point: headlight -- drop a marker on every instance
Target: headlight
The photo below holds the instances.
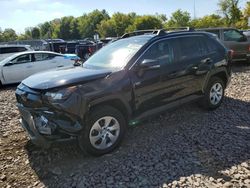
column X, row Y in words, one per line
column 60, row 95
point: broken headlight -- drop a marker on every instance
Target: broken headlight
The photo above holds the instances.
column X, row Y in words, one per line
column 59, row 95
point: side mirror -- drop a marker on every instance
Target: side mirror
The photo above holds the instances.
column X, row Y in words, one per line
column 9, row 64
column 147, row 64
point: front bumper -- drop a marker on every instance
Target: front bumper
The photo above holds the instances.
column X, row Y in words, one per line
column 42, row 131
column 45, row 123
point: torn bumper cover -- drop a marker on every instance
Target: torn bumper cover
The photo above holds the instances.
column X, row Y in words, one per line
column 45, row 125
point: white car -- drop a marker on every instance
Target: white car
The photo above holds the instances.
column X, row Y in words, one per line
column 17, row 67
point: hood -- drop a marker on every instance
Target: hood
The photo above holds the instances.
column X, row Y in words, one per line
column 61, row 77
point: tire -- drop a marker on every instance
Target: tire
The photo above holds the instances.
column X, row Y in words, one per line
column 96, row 137
column 214, row 94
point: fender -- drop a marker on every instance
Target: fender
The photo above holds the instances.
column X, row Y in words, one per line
column 213, row 72
column 109, row 98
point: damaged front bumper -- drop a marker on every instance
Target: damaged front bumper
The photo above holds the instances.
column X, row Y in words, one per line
column 45, row 125
column 43, row 131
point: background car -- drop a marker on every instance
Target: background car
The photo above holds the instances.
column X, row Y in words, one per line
column 21, row 65
column 234, row 40
column 8, row 50
column 247, row 33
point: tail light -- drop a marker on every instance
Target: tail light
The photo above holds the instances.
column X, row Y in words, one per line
column 249, row 48
column 231, row 53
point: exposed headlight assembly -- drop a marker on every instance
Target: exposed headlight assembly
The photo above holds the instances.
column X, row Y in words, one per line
column 59, row 95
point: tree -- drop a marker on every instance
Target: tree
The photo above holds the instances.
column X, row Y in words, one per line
column 88, row 22
column 107, row 28
column 230, row 10
column 116, row 25
column 179, row 19
column 74, row 32
column 63, row 30
column 208, row 21
column 1, row 35
column 246, row 11
column 27, row 33
column 35, row 33
column 9, row 35
column 45, row 30
column 162, row 17
column 145, row 22
column 243, row 22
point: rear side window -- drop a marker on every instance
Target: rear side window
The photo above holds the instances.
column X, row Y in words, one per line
column 44, row 56
column 6, row 50
column 189, row 48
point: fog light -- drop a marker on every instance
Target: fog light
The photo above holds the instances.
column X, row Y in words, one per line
column 43, row 126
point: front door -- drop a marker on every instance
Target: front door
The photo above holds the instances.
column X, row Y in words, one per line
column 147, row 84
column 18, row 69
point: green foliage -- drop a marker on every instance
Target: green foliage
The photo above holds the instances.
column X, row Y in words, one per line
column 64, row 28
column 88, row 22
column 35, row 33
column 99, row 21
column 231, row 11
column 45, row 30
column 179, row 19
column 9, row 35
column 116, row 25
column 145, row 22
column 208, row 21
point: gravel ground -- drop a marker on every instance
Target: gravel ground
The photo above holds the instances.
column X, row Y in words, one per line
column 186, row 147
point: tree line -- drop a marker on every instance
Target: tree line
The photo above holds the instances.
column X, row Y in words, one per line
column 99, row 21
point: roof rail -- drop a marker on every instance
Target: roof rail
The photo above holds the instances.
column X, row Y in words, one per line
column 177, row 29
column 143, row 32
column 157, row 31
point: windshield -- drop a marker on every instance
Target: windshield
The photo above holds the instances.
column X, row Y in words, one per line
column 117, row 54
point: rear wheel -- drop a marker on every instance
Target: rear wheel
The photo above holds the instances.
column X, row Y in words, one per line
column 103, row 132
column 214, row 93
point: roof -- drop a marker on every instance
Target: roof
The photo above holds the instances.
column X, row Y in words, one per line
column 214, row 28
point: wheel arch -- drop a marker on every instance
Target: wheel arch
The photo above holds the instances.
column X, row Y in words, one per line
column 220, row 73
column 116, row 103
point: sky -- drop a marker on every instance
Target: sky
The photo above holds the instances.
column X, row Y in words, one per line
column 19, row 14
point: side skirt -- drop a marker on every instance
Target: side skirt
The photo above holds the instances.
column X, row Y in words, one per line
column 166, row 107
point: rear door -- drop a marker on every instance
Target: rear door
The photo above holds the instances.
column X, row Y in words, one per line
column 46, row 61
column 18, row 69
column 182, row 77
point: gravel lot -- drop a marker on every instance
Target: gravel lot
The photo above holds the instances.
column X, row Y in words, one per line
column 186, row 147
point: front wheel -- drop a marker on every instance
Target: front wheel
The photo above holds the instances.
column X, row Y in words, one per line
column 104, row 131
column 214, row 94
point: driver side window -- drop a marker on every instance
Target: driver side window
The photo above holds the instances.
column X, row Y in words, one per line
column 160, row 51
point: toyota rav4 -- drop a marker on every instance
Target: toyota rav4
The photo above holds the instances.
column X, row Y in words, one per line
column 141, row 74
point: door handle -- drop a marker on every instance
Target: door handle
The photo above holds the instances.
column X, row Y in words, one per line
column 29, row 66
column 207, row 61
column 60, row 66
